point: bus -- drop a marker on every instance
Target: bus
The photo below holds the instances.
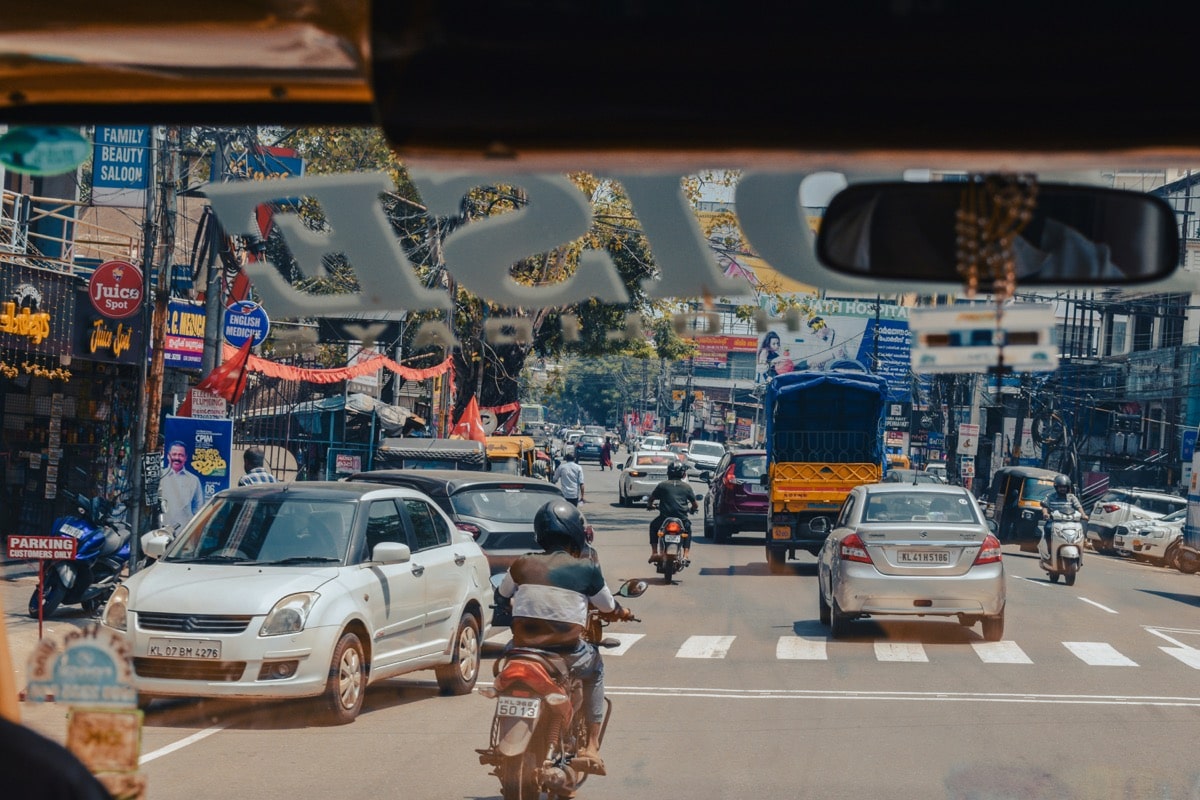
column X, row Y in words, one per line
column 531, row 414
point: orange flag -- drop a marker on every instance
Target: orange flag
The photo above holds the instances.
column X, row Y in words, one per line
column 470, row 424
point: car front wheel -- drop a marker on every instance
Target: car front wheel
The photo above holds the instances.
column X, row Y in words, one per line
column 347, row 680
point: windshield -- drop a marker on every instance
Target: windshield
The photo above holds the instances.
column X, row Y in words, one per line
column 500, row 505
column 247, row 292
column 275, row 531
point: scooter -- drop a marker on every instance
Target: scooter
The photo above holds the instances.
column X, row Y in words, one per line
column 100, row 557
column 539, row 725
column 672, row 541
column 1061, row 553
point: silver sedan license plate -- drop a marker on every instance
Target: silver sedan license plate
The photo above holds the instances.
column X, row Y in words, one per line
column 202, row 649
column 924, row 557
column 524, row 707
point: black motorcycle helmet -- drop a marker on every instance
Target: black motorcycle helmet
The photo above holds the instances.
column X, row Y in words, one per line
column 1062, row 484
column 675, row 471
column 559, row 525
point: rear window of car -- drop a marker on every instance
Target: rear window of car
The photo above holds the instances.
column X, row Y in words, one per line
column 749, row 468
column 707, row 449
column 646, row 461
column 501, row 505
column 920, row 507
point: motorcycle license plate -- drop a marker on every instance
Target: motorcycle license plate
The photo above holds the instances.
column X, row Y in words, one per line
column 523, row 707
column 672, row 538
column 200, row 649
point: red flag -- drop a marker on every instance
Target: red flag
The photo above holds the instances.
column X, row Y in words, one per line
column 470, row 424
column 227, row 380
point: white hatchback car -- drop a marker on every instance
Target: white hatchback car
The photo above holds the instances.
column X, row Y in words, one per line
column 306, row 589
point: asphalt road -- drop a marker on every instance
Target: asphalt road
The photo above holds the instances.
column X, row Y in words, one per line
column 730, row 688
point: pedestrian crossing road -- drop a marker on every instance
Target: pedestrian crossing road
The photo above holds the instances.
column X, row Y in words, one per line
column 811, row 648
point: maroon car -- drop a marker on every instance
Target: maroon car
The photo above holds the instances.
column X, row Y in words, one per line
column 736, row 499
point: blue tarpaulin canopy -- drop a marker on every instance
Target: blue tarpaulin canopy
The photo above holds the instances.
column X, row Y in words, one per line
column 811, row 414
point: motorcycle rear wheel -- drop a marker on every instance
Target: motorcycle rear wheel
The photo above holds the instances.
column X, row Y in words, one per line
column 51, row 598
column 518, row 775
column 668, row 568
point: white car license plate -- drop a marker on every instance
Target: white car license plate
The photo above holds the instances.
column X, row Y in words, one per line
column 525, row 707
column 924, row 557
column 755, row 488
column 672, row 538
column 203, row 649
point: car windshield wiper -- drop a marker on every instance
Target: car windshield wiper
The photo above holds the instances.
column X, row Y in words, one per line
column 214, row 558
column 302, row 560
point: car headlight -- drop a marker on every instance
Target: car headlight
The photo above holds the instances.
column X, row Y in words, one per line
column 117, row 610
column 289, row 614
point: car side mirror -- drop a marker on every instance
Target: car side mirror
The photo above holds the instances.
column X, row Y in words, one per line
column 819, row 525
column 154, row 543
column 993, row 527
column 391, row 553
column 764, row 479
column 620, row 466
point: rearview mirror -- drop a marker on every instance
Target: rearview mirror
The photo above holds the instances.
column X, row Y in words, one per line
column 1075, row 234
column 632, row 588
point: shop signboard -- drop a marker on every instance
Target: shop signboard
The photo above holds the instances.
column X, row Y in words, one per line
column 246, row 320
column 121, row 165
column 183, row 346
column 115, row 289
column 37, row 311
column 100, row 338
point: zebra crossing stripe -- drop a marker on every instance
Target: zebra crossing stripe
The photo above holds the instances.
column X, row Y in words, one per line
column 799, row 648
column 1187, row 655
column 627, row 640
column 705, row 647
column 1099, row 654
column 1004, row 652
column 900, row 651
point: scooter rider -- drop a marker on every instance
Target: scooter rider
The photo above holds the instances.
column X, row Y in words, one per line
column 550, row 593
column 675, row 498
column 1062, row 500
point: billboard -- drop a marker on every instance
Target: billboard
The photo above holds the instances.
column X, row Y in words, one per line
column 873, row 334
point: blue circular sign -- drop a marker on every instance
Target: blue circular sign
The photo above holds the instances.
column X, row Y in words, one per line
column 246, row 320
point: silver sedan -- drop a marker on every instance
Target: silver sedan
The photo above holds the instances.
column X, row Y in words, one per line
column 641, row 472
column 911, row 550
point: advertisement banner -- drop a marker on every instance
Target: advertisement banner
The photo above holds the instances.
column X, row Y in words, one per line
column 833, row 330
column 715, row 350
column 203, row 462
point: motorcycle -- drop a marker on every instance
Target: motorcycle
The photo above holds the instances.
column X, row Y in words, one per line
column 539, row 724
column 1061, row 553
column 672, row 540
column 100, row 557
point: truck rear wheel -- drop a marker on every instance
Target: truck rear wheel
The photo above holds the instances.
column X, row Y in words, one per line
column 776, row 561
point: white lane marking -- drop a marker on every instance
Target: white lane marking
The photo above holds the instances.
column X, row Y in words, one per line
column 1004, row 652
column 900, row 651
column 1033, row 581
column 801, row 648
column 928, row 697
column 1097, row 605
column 1162, row 632
column 182, row 743
column 1187, row 655
column 1099, row 654
column 627, row 640
column 705, row 647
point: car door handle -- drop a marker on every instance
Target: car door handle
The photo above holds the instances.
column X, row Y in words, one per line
column 418, row 570
column 459, row 560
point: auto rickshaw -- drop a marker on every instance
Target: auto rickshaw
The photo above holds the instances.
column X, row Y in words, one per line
column 514, row 454
column 1016, row 497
